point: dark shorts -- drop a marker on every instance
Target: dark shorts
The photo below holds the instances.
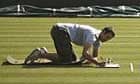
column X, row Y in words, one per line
column 63, row 45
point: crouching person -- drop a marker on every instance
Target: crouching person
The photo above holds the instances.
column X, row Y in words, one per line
column 63, row 34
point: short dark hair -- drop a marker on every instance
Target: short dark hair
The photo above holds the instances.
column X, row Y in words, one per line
column 108, row 30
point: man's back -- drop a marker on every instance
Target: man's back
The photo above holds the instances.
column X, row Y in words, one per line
column 80, row 34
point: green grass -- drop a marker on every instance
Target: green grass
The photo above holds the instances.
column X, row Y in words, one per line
column 18, row 36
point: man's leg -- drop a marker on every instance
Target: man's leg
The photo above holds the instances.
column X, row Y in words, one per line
column 40, row 53
column 46, row 55
column 63, row 45
column 34, row 55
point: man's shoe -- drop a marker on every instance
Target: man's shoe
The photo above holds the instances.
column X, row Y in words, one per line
column 33, row 56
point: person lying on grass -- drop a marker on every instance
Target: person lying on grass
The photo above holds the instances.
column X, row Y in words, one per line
column 83, row 35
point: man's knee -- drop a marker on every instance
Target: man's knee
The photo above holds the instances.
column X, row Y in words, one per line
column 67, row 56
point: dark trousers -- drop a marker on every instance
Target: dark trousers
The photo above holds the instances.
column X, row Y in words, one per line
column 63, row 45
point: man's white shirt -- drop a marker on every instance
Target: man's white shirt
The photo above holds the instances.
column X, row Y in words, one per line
column 81, row 34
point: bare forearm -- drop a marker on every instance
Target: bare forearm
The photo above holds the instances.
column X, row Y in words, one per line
column 87, row 54
column 89, row 57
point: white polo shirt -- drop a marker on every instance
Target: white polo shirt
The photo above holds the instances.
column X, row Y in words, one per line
column 81, row 34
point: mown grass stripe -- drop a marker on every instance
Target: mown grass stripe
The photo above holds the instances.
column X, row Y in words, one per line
column 19, row 36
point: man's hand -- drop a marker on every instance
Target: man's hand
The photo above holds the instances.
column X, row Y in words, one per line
column 101, row 64
column 87, row 62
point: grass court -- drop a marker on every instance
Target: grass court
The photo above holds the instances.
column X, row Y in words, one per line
column 19, row 36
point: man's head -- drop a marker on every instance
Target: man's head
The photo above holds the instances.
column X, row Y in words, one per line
column 106, row 34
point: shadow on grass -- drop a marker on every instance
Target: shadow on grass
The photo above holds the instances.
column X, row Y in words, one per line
column 48, row 65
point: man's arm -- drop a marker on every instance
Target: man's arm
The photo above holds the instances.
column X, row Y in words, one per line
column 86, row 53
column 95, row 52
